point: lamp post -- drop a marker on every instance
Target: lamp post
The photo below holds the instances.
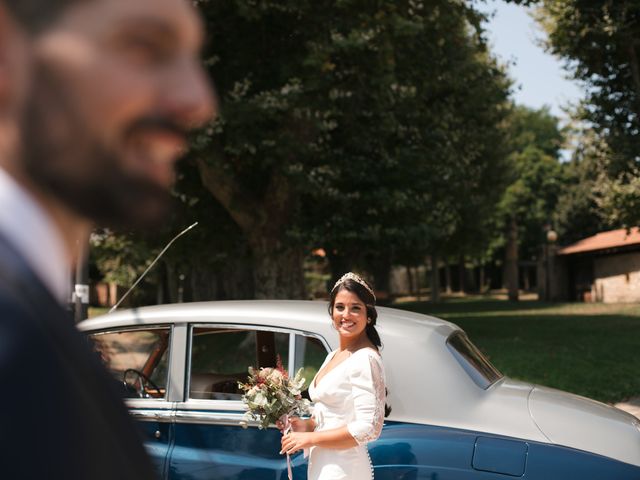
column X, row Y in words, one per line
column 80, row 295
column 551, row 237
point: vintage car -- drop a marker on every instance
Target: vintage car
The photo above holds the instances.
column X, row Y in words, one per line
column 454, row 416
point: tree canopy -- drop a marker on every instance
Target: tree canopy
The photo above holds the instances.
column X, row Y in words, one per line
column 598, row 40
column 363, row 128
column 377, row 131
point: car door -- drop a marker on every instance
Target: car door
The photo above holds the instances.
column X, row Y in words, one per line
column 138, row 359
column 209, row 440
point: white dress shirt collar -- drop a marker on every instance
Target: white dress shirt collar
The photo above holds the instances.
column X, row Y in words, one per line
column 33, row 234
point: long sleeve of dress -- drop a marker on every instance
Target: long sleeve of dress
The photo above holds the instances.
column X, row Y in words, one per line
column 368, row 392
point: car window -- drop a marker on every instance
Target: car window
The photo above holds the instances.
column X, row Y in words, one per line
column 137, row 359
column 310, row 353
column 221, row 357
column 481, row 371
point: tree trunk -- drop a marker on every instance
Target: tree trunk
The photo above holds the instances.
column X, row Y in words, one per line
column 435, row 279
column 160, row 284
column 172, row 283
column 511, row 261
column 410, row 280
column 278, row 270
column 462, row 273
column 159, row 294
column 447, row 277
column 339, row 264
column 278, row 267
column 204, row 284
column 381, row 267
column 482, row 279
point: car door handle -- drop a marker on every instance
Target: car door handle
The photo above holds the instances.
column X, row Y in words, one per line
column 214, row 418
column 143, row 415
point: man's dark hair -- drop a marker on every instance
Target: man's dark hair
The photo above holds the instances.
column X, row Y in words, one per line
column 36, row 15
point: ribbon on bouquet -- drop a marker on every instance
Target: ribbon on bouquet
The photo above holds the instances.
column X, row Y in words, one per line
column 284, row 419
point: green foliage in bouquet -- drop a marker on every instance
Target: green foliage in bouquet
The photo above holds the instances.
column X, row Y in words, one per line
column 269, row 394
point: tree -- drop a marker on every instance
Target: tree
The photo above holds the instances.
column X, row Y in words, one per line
column 370, row 130
column 440, row 155
column 580, row 211
column 347, row 113
column 537, row 181
column 599, row 41
column 283, row 104
column 210, row 262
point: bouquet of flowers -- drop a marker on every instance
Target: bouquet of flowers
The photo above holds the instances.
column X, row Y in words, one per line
column 271, row 396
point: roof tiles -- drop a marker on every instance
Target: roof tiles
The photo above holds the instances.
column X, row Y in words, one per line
column 604, row 240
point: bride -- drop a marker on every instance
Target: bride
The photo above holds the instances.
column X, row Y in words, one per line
column 348, row 391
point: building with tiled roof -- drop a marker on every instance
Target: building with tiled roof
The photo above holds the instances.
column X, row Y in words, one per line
column 604, row 267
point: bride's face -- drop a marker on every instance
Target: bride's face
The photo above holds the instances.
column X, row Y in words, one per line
column 349, row 314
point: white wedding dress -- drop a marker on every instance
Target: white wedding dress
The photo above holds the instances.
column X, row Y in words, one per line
column 351, row 394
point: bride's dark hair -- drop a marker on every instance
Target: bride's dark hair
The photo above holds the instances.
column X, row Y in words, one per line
column 368, row 299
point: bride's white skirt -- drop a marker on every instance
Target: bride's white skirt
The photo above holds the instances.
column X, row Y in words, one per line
column 333, row 464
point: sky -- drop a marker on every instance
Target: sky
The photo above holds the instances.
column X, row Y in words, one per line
column 539, row 77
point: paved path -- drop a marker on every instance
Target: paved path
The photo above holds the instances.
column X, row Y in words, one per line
column 632, row 406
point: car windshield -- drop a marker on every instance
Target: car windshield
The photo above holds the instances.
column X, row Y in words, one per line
column 472, row 360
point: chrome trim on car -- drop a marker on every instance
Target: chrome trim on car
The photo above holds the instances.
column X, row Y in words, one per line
column 249, row 326
column 233, row 406
column 234, row 419
column 292, row 354
column 162, row 416
column 177, row 362
column 128, row 328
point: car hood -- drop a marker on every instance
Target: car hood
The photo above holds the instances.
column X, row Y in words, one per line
column 578, row 422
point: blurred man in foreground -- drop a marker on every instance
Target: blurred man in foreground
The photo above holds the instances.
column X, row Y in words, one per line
column 96, row 97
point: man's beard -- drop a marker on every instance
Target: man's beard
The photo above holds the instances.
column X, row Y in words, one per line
column 62, row 156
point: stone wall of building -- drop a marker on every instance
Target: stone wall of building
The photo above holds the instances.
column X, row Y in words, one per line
column 617, row 278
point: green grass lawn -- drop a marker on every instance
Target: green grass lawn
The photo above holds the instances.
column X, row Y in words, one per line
column 95, row 311
column 589, row 349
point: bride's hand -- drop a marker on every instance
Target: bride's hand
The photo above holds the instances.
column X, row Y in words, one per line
column 280, row 424
column 297, row 424
column 302, row 424
column 294, row 441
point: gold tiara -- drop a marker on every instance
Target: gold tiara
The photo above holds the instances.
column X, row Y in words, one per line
column 356, row 278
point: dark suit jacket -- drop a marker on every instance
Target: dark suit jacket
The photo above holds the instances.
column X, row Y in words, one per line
column 60, row 414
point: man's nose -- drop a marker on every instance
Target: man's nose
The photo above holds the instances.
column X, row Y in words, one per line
column 192, row 99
